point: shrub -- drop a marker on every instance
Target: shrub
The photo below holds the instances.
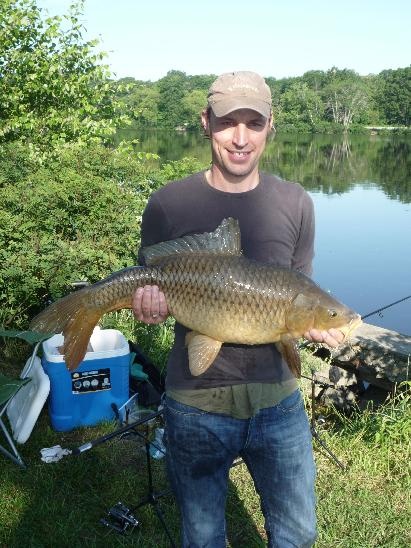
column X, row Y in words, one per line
column 76, row 218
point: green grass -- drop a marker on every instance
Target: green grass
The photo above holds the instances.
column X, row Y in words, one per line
column 60, row 504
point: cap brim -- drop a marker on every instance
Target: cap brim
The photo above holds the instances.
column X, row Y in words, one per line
column 225, row 106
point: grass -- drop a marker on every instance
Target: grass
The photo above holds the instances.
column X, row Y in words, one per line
column 61, row 504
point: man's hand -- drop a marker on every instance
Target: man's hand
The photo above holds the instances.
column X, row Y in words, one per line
column 149, row 305
column 332, row 337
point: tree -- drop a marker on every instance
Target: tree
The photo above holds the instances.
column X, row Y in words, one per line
column 300, row 104
column 53, row 87
column 315, row 79
column 394, row 97
column 346, row 96
column 173, row 88
column 141, row 104
column 193, row 103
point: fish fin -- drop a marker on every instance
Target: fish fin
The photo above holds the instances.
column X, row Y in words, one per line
column 224, row 240
column 202, row 351
column 287, row 346
column 75, row 318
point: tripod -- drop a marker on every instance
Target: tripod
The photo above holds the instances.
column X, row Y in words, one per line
column 120, row 518
column 153, row 497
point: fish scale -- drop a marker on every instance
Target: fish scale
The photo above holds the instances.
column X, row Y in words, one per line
column 217, row 293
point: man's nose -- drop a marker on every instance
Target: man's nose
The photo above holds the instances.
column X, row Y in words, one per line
column 240, row 137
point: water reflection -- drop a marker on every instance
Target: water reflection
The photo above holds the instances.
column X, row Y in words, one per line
column 321, row 163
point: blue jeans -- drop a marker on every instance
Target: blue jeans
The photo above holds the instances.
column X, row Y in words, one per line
column 276, row 446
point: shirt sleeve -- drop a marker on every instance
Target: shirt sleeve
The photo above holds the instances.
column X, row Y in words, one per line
column 154, row 226
column 304, row 249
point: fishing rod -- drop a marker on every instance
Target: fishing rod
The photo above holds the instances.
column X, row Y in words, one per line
column 385, row 307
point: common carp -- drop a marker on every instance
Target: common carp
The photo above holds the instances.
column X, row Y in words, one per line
column 213, row 290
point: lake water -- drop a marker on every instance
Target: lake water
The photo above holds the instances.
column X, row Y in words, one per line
column 361, row 187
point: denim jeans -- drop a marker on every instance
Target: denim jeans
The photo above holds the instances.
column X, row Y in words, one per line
column 276, row 446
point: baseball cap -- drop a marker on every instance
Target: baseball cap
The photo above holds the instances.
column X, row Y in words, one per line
column 235, row 90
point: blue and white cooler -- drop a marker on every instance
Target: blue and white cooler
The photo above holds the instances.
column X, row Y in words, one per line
column 84, row 397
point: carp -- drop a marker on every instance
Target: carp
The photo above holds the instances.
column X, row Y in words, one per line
column 213, row 290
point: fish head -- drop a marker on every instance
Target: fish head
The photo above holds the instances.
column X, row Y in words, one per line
column 331, row 313
column 316, row 309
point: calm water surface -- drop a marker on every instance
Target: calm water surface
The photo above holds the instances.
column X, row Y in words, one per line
column 361, row 187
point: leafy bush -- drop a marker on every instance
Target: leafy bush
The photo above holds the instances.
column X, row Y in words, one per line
column 76, row 218
column 53, row 86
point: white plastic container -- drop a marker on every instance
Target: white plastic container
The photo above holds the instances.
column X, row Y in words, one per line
column 25, row 407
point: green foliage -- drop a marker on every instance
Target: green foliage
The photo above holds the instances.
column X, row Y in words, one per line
column 76, row 218
column 172, row 89
column 394, row 96
column 193, row 103
column 140, row 103
column 319, row 101
column 177, row 169
column 300, row 105
column 53, row 87
column 346, row 96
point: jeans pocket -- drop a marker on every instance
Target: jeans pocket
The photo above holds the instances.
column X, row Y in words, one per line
column 177, row 408
column 291, row 403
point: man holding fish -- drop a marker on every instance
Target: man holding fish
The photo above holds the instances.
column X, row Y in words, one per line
column 242, row 399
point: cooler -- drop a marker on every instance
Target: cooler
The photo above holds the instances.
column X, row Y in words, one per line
column 83, row 397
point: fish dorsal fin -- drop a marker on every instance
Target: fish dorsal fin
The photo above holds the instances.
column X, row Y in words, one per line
column 224, row 240
column 202, row 351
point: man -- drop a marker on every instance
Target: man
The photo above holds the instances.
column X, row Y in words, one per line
column 247, row 403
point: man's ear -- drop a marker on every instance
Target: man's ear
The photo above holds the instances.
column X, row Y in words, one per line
column 205, row 122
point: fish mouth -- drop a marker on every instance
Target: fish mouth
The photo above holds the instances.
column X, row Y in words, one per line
column 351, row 326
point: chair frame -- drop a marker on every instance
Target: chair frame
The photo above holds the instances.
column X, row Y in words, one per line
column 14, row 454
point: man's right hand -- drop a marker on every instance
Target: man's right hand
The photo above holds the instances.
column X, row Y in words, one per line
column 149, row 305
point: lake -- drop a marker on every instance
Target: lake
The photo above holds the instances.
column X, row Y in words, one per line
column 361, row 187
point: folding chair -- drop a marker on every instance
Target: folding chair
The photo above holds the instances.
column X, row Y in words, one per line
column 23, row 399
column 8, row 389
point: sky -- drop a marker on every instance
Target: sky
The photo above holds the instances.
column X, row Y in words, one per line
column 145, row 39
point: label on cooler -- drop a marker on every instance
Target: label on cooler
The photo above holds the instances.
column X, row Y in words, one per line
column 90, row 381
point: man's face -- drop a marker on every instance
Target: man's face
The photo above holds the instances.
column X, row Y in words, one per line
column 237, row 141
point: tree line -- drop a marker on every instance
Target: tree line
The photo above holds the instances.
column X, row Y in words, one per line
column 332, row 100
column 55, row 88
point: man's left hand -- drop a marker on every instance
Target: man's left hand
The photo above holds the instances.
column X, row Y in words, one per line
column 332, row 337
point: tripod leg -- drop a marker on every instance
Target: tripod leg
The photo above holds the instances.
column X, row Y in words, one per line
column 163, row 521
column 314, row 432
column 152, row 497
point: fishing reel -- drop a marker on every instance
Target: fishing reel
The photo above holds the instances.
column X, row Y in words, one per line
column 120, row 519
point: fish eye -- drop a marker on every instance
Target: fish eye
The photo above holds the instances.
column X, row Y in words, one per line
column 332, row 313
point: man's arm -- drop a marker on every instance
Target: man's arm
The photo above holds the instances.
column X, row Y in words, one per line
column 149, row 303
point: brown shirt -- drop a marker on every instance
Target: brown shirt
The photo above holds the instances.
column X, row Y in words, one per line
column 277, row 226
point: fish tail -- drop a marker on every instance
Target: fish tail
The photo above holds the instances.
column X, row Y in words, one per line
column 75, row 318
